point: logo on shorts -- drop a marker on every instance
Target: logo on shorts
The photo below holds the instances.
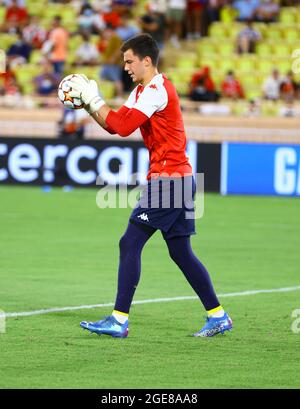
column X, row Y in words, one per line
column 144, row 217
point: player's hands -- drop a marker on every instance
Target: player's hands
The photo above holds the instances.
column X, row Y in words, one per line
column 87, row 91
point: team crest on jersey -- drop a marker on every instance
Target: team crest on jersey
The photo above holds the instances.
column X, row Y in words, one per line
column 153, row 86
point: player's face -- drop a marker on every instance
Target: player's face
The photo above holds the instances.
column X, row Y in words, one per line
column 134, row 66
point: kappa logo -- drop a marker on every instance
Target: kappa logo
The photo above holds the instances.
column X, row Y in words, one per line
column 153, row 86
column 144, row 217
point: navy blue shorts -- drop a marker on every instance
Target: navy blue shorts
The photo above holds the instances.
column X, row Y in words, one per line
column 167, row 204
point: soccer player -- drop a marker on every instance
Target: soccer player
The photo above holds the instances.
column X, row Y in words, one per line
column 153, row 106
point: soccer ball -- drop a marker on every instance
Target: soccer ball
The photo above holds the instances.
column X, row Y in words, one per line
column 63, row 94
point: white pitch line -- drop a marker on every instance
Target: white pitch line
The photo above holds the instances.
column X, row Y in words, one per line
column 150, row 301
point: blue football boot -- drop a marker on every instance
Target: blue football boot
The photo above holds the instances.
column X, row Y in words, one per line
column 215, row 326
column 109, row 326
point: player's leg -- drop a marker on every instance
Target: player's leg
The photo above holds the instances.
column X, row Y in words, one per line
column 198, row 277
column 131, row 245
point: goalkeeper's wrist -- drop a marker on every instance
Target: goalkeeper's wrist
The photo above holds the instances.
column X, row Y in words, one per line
column 94, row 105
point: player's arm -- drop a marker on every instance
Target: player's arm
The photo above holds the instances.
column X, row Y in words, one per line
column 128, row 118
column 101, row 119
column 124, row 122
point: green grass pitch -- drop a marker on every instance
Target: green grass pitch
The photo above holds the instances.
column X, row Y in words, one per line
column 58, row 249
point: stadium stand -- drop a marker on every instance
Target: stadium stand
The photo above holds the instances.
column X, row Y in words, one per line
column 216, row 49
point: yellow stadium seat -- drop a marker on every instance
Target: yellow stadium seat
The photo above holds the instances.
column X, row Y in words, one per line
column 269, row 108
column 35, row 57
column 186, row 74
column 181, row 87
column 281, row 49
column 186, row 61
column 52, row 10
column 217, row 77
column 250, row 81
column 172, row 74
column 25, row 75
column 284, row 65
column 228, row 14
column 273, row 32
column 227, row 64
column 287, row 15
column 95, row 39
column 291, row 33
column 264, row 48
column 36, row 8
column 217, row 30
column 265, row 66
column 211, row 62
column 6, row 40
column 261, row 28
column 107, row 89
column 74, row 43
column 2, row 14
column 71, row 57
column 246, row 63
column 90, row 72
column 253, row 93
column 226, row 49
column 206, row 48
column 234, row 29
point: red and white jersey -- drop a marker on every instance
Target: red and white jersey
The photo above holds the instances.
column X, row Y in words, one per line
column 155, row 109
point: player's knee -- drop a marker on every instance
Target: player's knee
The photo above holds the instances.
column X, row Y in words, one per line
column 175, row 255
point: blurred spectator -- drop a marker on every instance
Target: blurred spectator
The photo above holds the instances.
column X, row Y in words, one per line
column 289, row 89
column 8, row 82
column 47, row 82
column 267, row 12
column 253, row 109
column 271, row 86
column 57, row 45
column 16, row 17
column 231, row 87
column 194, row 17
column 72, row 124
column 127, row 29
column 89, row 20
column 111, row 57
column 19, row 52
column 87, row 53
column 154, row 23
column 112, row 17
column 123, row 6
column 247, row 38
column 211, row 13
column 101, row 6
column 33, row 33
column 289, row 110
column 8, row 3
column 246, row 9
column 202, row 87
column 176, row 17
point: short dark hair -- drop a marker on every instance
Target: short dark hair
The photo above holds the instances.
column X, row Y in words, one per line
column 142, row 45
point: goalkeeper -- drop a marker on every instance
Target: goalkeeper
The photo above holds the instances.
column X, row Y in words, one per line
column 153, row 106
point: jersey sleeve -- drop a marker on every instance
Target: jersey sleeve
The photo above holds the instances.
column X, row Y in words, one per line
column 121, row 112
column 126, row 124
column 153, row 98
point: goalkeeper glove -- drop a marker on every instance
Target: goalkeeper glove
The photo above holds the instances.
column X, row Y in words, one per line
column 87, row 91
